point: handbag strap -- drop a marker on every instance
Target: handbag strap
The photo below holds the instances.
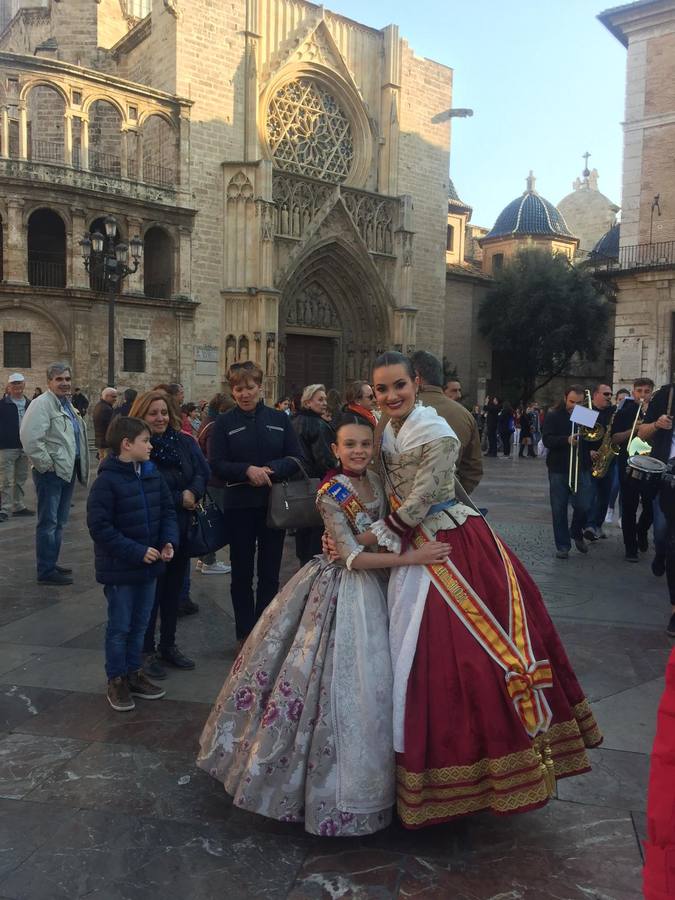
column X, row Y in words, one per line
column 305, row 474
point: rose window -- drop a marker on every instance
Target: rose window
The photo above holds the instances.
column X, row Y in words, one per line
column 308, row 132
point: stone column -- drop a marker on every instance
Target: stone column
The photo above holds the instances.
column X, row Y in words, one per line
column 84, row 138
column 183, row 277
column 5, row 132
column 124, row 154
column 134, row 283
column 23, row 130
column 139, row 155
column 68, row 138
column 16, row 264
column 79, row 275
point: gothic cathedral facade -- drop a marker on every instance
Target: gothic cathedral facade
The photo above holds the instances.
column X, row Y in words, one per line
column 286, row 168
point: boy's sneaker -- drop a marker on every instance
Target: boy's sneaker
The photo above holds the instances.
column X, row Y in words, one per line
column 141, row 686
column 216, row 568
column 153, row 667
column 118, row 694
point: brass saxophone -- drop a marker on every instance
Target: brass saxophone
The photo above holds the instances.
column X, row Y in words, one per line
column 606, row 453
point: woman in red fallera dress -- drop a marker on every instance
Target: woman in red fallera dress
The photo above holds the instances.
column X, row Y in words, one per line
column 659, row 871
column 488, row 712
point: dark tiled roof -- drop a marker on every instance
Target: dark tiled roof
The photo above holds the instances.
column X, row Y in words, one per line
column 608, row 245
column 468, row 270
column 530, row 214
column 453, row 198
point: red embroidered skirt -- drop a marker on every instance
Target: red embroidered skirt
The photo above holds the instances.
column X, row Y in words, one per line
column 465, row 747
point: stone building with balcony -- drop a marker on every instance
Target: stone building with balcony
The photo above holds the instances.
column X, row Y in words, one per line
column 642, row 267
column 285, row 167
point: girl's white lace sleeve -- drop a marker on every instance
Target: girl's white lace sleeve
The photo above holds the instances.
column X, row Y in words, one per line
column 386, row 537
column 352, row 556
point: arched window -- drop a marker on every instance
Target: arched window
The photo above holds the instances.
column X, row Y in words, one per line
column 450, row 241
column 46, row 108
column 46, row 249
column 160, row 156
column 96, row 281
column 497, row 262
column 105, row 138
column 157, row 263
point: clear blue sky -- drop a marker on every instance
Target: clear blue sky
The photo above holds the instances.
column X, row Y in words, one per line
column 546, row 82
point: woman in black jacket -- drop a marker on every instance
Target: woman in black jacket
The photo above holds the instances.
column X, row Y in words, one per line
column 251, row 446
column 506, row 427
column 186, row 473
column 316, row 436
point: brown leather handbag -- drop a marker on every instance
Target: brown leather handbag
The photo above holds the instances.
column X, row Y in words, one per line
column 292, row 504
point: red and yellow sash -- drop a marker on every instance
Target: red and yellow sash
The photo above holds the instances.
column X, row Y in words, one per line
column 525, row 677
column 348, row 502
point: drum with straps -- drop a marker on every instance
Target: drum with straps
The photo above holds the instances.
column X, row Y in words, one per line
column 645, row 468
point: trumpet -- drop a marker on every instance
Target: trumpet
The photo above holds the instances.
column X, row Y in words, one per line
column 573, row 474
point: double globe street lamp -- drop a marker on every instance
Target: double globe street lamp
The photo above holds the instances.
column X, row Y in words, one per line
column 108, row 263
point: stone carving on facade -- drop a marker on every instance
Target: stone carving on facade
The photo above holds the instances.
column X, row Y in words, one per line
column 407, row 249
column 373, row 217
column 312, row 308
column 308, row 131
column 271, row 356
column 171, row 6
column 297, row 201
column 267, row 211
column 230, row 350
column 243, row 348
column 239, row 187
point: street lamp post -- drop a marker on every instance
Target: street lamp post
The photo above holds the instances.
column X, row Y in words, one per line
column 109, row 262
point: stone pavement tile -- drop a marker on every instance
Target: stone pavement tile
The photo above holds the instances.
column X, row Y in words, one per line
column 58, row 623
column 119, row 857
column 628, row 720
column 13, row 655
column 23, row 828
column 136, row 780
column 19, row 705
column 168, row 724
column 640, row 825
column 17, row 605
column 63, row 669
column 618, row 780
column 609, row 659
column 27, row 760
column 564, row 851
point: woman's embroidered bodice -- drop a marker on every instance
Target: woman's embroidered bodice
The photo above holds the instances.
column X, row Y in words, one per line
column 417, row 465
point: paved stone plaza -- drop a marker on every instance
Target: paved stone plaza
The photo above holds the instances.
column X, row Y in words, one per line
column 109, row 805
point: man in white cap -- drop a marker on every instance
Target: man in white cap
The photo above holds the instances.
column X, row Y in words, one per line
column 13, row 461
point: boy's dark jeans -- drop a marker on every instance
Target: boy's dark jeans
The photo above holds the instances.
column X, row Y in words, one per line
column 129, row 607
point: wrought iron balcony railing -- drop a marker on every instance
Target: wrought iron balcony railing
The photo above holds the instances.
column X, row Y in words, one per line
column 659, row 255
column 46, row 273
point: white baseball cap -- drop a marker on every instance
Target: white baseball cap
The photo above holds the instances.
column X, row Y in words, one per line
column 14, row 377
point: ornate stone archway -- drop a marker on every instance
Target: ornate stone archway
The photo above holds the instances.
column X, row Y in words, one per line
column 333, row 319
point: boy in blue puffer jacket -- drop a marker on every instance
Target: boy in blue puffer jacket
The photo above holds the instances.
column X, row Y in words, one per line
column 132, row 521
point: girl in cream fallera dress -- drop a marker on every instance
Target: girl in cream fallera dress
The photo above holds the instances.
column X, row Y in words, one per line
column 302, row 728
column 487, row 710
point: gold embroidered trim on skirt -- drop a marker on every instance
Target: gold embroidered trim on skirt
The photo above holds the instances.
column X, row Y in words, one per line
column 502, row 803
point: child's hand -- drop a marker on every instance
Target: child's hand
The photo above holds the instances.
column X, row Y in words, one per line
column 189, row 500
column 432, row 552
column 151, row 555
column 167, row 552
column 329, row 546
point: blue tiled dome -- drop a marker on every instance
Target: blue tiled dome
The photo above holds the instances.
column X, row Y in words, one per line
column 530, row 214
column 608, row 245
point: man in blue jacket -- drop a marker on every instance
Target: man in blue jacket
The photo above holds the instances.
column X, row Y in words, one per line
column 131, row 519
